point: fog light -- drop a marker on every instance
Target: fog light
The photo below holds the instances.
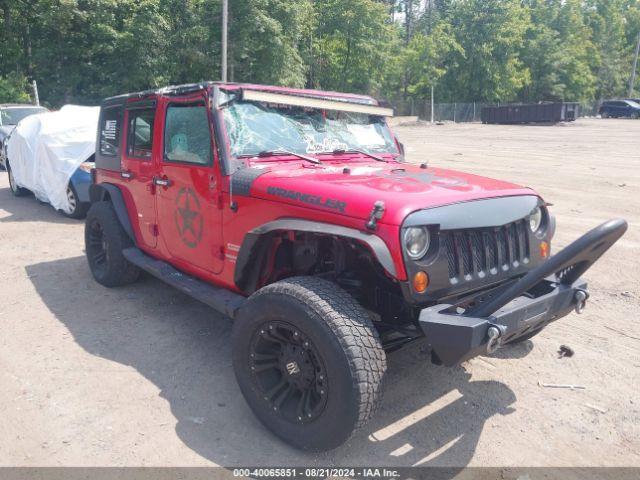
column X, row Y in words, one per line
column 544, row 249
column 420, row 282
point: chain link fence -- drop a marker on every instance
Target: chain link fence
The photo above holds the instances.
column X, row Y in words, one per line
column 464, row 112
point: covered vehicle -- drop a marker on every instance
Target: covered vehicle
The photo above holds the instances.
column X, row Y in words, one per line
column 10, row 116
column 51, row 155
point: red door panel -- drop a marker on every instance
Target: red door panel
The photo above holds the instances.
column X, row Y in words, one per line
column 189, row 218
column 138, row 169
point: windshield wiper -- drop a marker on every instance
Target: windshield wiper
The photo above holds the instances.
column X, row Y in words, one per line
column 271, row 153
column 363, row 152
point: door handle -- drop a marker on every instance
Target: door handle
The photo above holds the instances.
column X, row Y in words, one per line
column 126, row 174
column 162, row 182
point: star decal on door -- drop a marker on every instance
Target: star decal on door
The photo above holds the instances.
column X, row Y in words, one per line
column 188, row 218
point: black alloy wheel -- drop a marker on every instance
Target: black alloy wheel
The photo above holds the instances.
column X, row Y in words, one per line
column 288, row 370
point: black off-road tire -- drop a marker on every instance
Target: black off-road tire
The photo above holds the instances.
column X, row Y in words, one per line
column 80, row 209
column 15, row 189
column 105, row 239
column 343, row 337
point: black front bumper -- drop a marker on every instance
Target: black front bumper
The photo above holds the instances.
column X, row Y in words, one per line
column 548, row 292
column 455, row 338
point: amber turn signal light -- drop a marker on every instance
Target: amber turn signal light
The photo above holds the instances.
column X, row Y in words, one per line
column 420, row 282
column 544, row 249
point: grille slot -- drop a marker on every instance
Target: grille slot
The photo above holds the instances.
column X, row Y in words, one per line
column 476, row 252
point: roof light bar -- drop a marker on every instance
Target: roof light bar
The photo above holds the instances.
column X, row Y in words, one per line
column 313, row 102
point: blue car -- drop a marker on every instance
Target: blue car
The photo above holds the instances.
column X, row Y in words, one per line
column 620, row 109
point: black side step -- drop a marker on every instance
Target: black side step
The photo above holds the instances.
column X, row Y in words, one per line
column 224, row 301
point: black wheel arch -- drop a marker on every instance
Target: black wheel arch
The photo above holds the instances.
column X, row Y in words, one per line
column 112, row 193
column 257, row 242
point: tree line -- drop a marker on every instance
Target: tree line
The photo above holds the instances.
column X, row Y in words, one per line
column 467, row 50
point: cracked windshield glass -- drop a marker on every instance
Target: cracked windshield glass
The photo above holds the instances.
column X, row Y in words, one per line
column 255, row 127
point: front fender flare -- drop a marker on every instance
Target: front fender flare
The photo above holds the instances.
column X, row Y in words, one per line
column 254, row 246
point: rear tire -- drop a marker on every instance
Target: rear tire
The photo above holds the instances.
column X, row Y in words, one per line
column 105, row 239
column 309, row 361
column 15, row 189
column 78, row 209
column 604, row 115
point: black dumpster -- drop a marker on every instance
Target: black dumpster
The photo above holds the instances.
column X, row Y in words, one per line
column 530, row 113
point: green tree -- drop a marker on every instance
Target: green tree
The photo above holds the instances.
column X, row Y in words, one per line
column 607, row 22
column 14, row 89
column 267, row 38
column 425, row 59
column 492, row 34
column 353, row 40
column 559, row 53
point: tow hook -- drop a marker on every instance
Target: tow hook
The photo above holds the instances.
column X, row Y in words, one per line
column 581, row 300
column 495, row 333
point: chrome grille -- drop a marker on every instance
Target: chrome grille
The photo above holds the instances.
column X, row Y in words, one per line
column 475, row 252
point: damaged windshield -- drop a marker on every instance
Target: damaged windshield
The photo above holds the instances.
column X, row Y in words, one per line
column 254, row 127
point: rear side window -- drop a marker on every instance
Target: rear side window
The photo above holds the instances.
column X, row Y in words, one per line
column 110, row 131
column 140, row 133
column 187, row 138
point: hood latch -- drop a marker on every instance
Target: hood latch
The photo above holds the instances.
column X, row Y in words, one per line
column 375, row 215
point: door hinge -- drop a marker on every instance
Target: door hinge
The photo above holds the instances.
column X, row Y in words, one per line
column 154, row 230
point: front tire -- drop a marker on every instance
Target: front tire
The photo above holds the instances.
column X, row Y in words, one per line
column 78, row 209
column 309, row 361
column 105, row 239
column 15, row 189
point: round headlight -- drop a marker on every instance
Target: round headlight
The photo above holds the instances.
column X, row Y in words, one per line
column 535, row 219
column 416, row 241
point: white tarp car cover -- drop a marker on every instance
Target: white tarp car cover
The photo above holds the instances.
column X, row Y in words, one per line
column 46, row 149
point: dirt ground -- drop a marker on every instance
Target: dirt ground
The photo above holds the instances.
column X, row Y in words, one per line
column 142, row 375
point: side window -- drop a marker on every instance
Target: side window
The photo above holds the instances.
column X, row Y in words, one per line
column 187, row 137
column 110, row 131
column 140, row 133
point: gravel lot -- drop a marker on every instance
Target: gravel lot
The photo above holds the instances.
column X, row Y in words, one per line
column 142, row 375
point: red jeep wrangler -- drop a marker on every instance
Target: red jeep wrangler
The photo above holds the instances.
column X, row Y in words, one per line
column 293, row 212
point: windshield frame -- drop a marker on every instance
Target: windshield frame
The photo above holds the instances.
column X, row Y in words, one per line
column 222, row 98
